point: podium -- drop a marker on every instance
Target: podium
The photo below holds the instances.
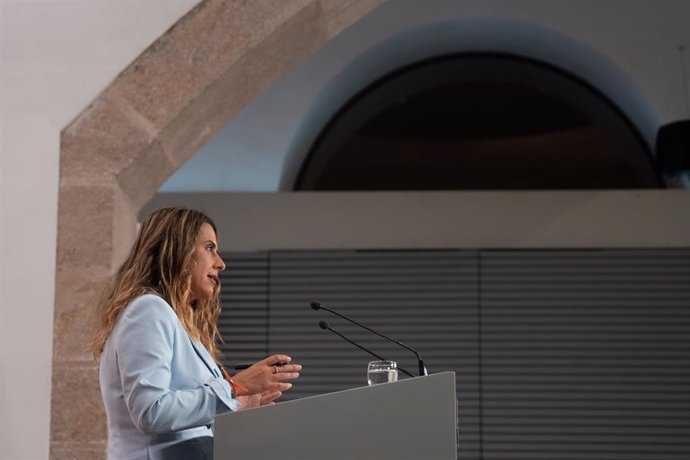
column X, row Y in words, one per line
column 414, row 418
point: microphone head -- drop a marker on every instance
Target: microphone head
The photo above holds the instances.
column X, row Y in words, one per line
column 315, row 305
column 323, row 324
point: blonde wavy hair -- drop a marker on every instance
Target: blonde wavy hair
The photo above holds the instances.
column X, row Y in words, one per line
column 159, row 263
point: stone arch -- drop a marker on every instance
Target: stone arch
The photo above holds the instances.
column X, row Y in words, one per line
column 115, row 155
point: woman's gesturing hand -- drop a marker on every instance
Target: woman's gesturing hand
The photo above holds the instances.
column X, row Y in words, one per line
column 268, row 375
column 259, row 399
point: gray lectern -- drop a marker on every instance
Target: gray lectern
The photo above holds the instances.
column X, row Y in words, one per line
column 413, row 418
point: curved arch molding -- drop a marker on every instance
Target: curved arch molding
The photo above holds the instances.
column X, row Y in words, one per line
column 469, row 35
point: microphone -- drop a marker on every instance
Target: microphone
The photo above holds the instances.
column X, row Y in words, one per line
column 324, row 325
column 422, row 370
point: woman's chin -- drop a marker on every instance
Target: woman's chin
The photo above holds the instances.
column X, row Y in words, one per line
column 202, row 296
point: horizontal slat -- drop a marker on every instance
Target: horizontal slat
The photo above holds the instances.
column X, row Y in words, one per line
column 243, row 320
column 583, row 350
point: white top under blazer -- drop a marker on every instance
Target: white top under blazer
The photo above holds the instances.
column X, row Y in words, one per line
column 159, row 387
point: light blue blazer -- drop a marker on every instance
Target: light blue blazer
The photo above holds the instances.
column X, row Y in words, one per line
column 159, row 387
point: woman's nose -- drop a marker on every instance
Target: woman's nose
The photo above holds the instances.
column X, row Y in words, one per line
column 219, row 263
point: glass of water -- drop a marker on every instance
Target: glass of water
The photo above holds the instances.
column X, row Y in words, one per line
column 382, row 372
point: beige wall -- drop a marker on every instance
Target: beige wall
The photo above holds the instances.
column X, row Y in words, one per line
column 56, row 57
column 360, row 220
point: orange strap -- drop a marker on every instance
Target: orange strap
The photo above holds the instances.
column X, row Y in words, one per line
column 237, row 389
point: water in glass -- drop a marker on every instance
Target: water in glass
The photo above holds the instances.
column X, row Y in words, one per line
column 382, row 376
column 382, row 372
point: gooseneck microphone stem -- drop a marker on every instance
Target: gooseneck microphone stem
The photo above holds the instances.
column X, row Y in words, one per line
column 353, row 342
column 324, row 325
column 422, row 370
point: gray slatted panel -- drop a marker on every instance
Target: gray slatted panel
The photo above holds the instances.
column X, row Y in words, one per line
column 425, row 299
column 586, row 354
column 244, row 320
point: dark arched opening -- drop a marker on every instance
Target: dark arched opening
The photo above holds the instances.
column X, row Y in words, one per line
column 478, row 122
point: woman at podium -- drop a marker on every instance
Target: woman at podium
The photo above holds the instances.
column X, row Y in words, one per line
column 156, row 339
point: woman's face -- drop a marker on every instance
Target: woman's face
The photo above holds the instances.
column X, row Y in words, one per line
column 206, row 264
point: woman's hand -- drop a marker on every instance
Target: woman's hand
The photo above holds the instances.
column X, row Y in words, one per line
column 259, row 399
column 268, row 376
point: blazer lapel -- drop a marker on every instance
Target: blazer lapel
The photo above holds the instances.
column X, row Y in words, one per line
column 205, row 358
